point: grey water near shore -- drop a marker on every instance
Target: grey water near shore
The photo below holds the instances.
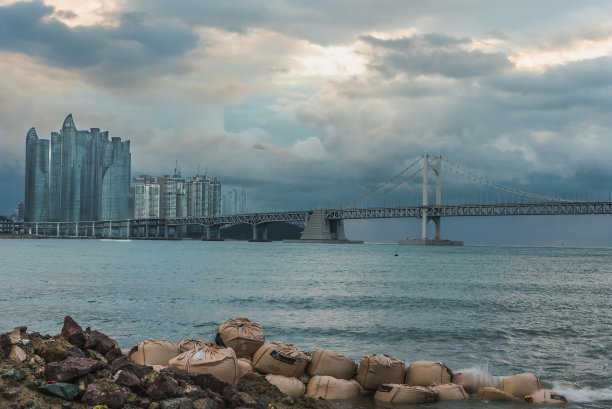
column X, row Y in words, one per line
column 501, row 310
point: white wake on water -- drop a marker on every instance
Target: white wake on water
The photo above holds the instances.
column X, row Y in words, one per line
column 583, row 395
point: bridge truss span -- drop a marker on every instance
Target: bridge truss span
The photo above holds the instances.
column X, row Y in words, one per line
column 252, row 218
column 522, row 209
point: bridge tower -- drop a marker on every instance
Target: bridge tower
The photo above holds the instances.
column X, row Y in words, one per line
column 434, row 164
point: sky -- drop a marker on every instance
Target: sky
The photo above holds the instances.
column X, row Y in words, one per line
column 308, row 104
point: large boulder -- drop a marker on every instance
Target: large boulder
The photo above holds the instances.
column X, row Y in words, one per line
column 105, row 392
column 163, row 387
column 125, row 364
column 64, row 390
column 99, row 342
column 73, row 332
column 70, row 368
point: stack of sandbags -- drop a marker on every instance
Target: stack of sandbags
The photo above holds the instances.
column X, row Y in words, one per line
column 396, row 393
column 186, row 344
column 153, row 352
column 472, row 380
column 519, row 385
column 217, row 361
column 545, row 396
column 289, row 385
column 330, row 388
column 375, row 370
column 242, row 335
column 281, row 359
column 329, row 363
column 450, row 391
column 427, row 373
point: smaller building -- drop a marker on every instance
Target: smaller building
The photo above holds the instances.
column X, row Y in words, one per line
column 146, row 197
column 235, row 202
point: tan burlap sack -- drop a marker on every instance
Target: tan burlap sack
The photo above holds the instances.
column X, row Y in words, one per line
column 329, row 363
column 153, row 352
column 547, row 396
column 186, row 344
column 473, row 380
column 280, row 359
column 244, row 336
column 374, row 370
column 245, row 365
column 450, row 391
column 397, row 393
column 217, row 361
column 330, row 388
column 427, row 373
column 494, row 395
column 288, row 385
column 519, row 385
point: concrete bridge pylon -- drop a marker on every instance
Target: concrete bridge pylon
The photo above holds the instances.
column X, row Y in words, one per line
column 435, row 165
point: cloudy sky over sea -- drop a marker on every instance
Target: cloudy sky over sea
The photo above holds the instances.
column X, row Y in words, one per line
column 308, row 103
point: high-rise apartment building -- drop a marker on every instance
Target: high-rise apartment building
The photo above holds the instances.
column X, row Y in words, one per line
column 203, row 196
column 235, row 202
column 146, row 198
column 172, row 201
column 172, row 196
column 88, row 176
column 36, row 206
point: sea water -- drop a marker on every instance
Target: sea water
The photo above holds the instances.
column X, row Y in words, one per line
column 499, row 310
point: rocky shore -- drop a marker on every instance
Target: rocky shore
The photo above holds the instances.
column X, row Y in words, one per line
column 86, row 369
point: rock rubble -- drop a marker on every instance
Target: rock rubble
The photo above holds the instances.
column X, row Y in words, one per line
column 82, row 369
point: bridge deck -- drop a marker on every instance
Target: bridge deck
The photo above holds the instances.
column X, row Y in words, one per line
column 495, row 209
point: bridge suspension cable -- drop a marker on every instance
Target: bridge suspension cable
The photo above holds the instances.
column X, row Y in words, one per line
column 461, row 171
column 364, row 196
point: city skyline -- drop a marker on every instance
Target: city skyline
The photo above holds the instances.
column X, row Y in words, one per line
column 314, row 104
column 79, row 176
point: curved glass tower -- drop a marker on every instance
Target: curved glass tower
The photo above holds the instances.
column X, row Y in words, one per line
column 37, row 178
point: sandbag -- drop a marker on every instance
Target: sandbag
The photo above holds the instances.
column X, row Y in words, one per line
column 329, row 363
column 519, row 385
column 153, row 352
column 280, row 359
column 374, row 370
column 330, row 388
column 427, row 373
column 473, row 380
column 244, row 336
column 545, row 396
column 494, row 395
column 396, row 393
column 186, row 344
column 450, row 391
column 290, row 386
column 217, row 361
column 245, row 365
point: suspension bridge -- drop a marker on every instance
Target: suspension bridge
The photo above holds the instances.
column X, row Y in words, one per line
column 327, row 224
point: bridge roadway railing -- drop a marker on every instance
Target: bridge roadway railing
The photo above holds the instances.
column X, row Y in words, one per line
column 250, row 218
column 497, row 209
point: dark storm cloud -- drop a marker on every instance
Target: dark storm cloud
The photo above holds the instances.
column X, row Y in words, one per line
column 433, row 54
column 332, row 22
column 27, row 28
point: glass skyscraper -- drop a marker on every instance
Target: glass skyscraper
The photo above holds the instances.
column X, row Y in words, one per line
column 89, row 175
column 37, row 178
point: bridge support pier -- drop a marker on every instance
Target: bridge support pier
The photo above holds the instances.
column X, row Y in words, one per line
column 260, row 228
column 319, row 229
